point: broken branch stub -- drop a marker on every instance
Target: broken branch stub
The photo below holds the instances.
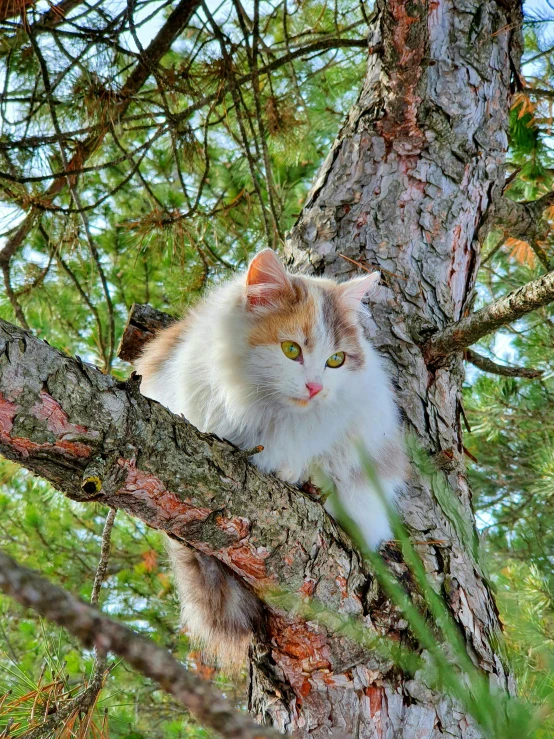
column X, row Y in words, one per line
column 143, row 324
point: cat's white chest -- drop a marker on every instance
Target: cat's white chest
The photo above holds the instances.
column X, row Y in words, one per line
column 291, row 445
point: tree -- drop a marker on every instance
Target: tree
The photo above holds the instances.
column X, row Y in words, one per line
column 412, row 185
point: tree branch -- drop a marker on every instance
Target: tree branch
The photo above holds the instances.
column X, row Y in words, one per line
column 97, row 439
column 487, row 365
column 142, row 325
column 538, row 92
column 94, row 629
column 104, row 556
column 467, row 331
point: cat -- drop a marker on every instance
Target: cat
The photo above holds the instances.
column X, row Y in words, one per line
column 278, row 360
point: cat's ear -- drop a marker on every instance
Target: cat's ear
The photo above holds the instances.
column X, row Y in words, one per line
column 266, row 279
column 354, row 291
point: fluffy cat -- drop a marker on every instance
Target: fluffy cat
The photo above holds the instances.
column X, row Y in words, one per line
column 279, row 360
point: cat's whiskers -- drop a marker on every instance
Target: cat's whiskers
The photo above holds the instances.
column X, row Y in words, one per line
column 245, row 418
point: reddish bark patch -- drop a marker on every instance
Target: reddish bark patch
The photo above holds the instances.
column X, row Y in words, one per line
column 8, row 412
column 405, row 42
column 245, row 558
column 249, row 561
column 302, row 642
column 308, row 587
column 300, row 650
column 60, row 425
column 151, row 491
column 170, row 513
column 73, row 448
column 375, row 695
column 57, row 421
column 237, row 527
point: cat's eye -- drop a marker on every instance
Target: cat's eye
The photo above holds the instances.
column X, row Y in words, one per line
column 336, row 360
column 291, row 349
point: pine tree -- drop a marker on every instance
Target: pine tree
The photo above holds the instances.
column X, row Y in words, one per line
column 147, row 149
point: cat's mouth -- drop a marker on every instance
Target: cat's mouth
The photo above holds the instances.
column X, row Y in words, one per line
column 301, row 401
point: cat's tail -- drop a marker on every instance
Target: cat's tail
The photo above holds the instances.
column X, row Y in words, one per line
column 218, row 611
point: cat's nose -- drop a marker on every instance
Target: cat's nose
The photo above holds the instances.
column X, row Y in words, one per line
column 314, row 388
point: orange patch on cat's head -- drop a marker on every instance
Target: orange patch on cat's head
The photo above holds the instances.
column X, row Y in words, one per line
column 284, row 306
column 293, row 312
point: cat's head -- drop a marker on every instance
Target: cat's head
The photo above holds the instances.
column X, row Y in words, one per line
column 303, row 334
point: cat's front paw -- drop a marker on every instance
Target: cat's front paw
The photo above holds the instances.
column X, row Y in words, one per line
column 290, row 475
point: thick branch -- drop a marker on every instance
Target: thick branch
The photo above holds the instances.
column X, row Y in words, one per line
column 97, row 439
column 94, row 629
column 487, row 365
column 467, row 331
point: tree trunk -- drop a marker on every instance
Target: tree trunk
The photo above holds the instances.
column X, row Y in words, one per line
column 406, row 188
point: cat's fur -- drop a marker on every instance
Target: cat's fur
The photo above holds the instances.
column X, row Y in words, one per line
column 224, row 369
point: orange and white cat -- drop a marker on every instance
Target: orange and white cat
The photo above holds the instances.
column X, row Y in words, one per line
column 277, row 360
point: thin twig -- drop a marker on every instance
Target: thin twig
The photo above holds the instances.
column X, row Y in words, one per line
column 487, row 365
column 376, row 267
column 104, row 556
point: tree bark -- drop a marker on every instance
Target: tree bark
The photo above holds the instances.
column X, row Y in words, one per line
column 406, row 189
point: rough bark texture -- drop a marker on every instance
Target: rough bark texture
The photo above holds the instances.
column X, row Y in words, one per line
column 407, row 187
